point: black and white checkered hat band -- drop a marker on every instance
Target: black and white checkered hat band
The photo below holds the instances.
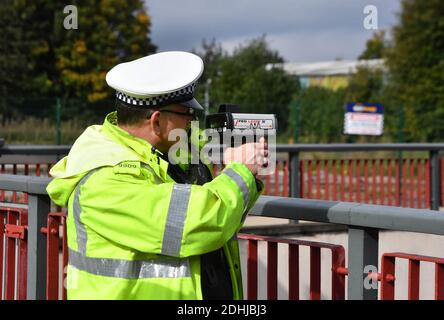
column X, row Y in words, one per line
column 181, row 95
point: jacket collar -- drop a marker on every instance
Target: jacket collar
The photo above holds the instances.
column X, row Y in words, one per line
column 143, row 148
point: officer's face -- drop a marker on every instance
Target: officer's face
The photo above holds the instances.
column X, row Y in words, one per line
column 177, row 117
column 170, row 121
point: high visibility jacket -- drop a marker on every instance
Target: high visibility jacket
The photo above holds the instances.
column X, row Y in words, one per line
column 133, row 233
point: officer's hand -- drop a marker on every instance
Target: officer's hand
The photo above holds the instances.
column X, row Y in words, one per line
column 253, row 155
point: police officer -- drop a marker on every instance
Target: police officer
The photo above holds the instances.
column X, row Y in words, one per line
column 140, row 227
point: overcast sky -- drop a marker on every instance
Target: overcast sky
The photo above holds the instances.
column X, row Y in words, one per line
column 301, row 30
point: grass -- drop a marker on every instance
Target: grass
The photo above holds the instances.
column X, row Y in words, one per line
column 39, row 131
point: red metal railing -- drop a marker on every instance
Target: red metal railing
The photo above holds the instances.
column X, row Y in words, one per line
column 56, row 256
column 375, row 181
column 337, row 270
column 388, row 279
column 277, row 183
column 13, row 247
column 13, row 227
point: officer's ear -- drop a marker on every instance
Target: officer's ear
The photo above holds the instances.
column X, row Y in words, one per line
column 155, row 122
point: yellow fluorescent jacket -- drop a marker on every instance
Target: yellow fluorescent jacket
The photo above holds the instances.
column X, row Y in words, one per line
column 133, row 233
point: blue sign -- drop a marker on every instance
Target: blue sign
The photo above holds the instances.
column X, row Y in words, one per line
column 365, row 107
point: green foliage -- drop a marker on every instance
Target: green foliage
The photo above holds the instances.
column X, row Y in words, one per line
column 321, row 118
column 416, row 65
column 375, row 47
column 366, row 85
column 40, row 58
column 31, row 130
column 110, row 32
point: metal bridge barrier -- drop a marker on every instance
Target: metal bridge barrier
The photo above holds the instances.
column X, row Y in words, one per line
column 34, row 251
column 413, row 177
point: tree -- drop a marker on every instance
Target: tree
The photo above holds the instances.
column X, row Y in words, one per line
column 109, row 32
column 321, row 114
column 366, row 85
column 212, row 55
column 375, row 46
column 416, row 65
column 72, row 63
column 20, row 52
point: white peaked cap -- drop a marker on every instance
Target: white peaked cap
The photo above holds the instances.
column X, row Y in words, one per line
column 158, row 80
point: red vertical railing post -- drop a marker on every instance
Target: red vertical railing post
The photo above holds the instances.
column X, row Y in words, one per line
column 326, row 181
column 366, row 193
column 10, row 260
column 252, row 270
column 23, row 259
column 14, row 193
column 404, row 179
column 2, row 192
column 374, row 185
column 285, row 179
column 389, row 182
column 267, row 184
column 427, row 182
column 381, row 182
column 2, row 235
column 358, row 180
column 350, row 180
column 398, row 184
column 338, row 279
column 374, row 181
column 413, row 279
column 342, row 198
column 442, row 182
column 439, row 281
column 318, row 179
column 52, row 258
column 315, row 273
column 272, row 254
column 293, row 272
column 37, row 169
column 335, row 181
column 387, row 286
column 64, row 258
column 309, row 186
column 412, row 184
column 419, row 189
column 301, row 178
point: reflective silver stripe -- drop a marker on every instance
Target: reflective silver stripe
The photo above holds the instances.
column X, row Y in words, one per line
column 80, row 227
column 177, row 211
column 240, row 182
column 156, row 268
